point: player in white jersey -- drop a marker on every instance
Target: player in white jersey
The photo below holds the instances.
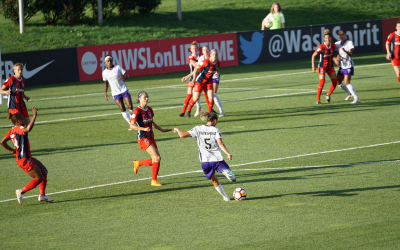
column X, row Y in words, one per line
column 115, row 76
column 346, row 70
column 209, row 142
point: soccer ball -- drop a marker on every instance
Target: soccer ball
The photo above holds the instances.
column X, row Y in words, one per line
column 268, row 24
column 239, row 194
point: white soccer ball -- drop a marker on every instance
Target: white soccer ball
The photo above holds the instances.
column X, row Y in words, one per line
column 268, row 24
column 239, row 194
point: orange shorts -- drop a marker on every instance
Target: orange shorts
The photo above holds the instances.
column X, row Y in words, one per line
column 206, row 86
column 323, row 70
column 23, row 112
column 190, row 84
column 26, row 163
column 146, row 142
column 395, row 62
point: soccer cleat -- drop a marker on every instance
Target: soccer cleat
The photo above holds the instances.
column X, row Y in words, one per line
column 188, row 114
column 45, row 198
column 19, row 196
column 197, row 113
column 155, row 183
column 222, row 114
column 213, row 111
column 227, row 198
column 356, row 100
column 181, row 114
column 135, row 166
column 348, row 97
column 229, row 175
column 318, row 102
column 130, row 129
column 328, row 98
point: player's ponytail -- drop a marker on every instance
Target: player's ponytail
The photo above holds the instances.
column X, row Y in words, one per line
column 210, row 117
column 327, row 32
column 194, row 43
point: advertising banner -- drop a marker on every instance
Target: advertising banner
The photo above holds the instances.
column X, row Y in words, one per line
column 43, row 67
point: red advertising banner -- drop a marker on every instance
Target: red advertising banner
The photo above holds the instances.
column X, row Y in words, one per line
column 388, row 26
column 153, row 57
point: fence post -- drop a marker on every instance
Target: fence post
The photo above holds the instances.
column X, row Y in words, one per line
column 21, row 16
column 100, row 12
column 178, row 3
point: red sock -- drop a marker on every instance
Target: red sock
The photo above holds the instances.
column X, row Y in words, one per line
column 398, row 79
column 205, row 96
column 191, row 105
column 210, row 106
column 42, row 186
column 185, row 103
column 156, row 167
column 320, row 87
column 333, row 86
column 31, row 185
column 147, row 162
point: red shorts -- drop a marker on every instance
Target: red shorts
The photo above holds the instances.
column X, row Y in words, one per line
column 206, row 86
column 23, row 112
column 395, row 62
column 190, row 84
column 146, row 142
column 26, row 163
column 323, row 70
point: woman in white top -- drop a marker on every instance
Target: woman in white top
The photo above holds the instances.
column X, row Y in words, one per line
column 346, row 69
column 209, row 142
column 275, row 19
column 115, row 76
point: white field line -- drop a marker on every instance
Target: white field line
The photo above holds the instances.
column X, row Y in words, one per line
column 243, row 164
column 172, row 107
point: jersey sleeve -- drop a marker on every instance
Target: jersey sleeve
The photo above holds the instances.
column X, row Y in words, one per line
column 351, row 45
column 152, row 112
column 193, row 132
column 219, row 135
column 203, row 64
column 8, row 82
column 389, row 39
column 319, row 49
column 282, row 18
column 121, row 70
column 104, row 77
column 135, row 115
column 8, row 135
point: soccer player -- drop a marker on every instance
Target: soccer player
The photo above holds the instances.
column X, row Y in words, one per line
column 207, row 69
column 209, row 142
column 393, row 50
column 142, row 121
column 14, row 87
column 115, row 76
column 325, row 65
column 346, row 69
column 34, row 168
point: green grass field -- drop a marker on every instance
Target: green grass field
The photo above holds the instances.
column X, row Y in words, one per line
column 317, row 176
column 227, row 16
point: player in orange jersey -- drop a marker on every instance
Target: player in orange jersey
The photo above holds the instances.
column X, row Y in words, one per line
column 207, row 69
column 34, row 168
column 142, row 121
column 393, row 50
column 325, row 65
column 14, row 87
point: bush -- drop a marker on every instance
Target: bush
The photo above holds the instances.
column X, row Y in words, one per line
column 147, row 6
column 108, row 7
column 10, row 10
column 74, row 10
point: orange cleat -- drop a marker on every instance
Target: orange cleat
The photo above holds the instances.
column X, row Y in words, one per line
column 136, row 166
column 155, row 183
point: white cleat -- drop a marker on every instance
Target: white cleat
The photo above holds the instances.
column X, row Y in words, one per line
column 45, row 198
column 227, row 198
column 356, row 100
column 197, row 113
column 348, row 97
column 130, row 129
column 222, row 114
column 19, row 196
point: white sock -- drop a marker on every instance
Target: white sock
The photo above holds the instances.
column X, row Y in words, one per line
column 217, row 102
column 198, row 105
column 126, row 116
column 344, row 87
column 130, row 112
column 352, row 91
column 221, row 191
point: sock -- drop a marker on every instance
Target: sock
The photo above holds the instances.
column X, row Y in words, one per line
column 185, row 103
column 333, row 86
column 344, row 87
column 156, row 167
column 221, row 191
column 190, row 105
column 198, row 105
column 217, row 102
column 31, row 185
column 398, row 79
column 205, row 96
column 210, row 106
column 130, row 112
column 126, row 116
column 42, row 186
column 320, row 87
column 147, row 162
column 352, row 91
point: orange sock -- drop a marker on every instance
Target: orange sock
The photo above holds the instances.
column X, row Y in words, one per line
column 156, row 167
column 320, row 87
column 147, row 162
column 398, row 79
column 191, row 105
column 210, row 106
column 42, row 186
column 333, row 86
column 31, row 185
column 185, row 103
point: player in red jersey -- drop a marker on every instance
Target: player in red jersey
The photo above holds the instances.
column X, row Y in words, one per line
column 142, row 121
column 393, row 50
column 14, row 87
column 207, row 69
column 34, row 168
column 325, row 65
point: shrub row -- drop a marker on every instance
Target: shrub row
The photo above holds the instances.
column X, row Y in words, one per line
column 72, row 11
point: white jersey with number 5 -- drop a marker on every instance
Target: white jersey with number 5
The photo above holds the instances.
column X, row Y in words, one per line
column 206, row 137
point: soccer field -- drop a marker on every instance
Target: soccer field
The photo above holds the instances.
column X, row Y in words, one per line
column 317, row 176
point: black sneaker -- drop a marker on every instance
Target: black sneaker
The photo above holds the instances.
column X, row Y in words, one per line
column 182, row 115
column 328, row 98
column 188, row 114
